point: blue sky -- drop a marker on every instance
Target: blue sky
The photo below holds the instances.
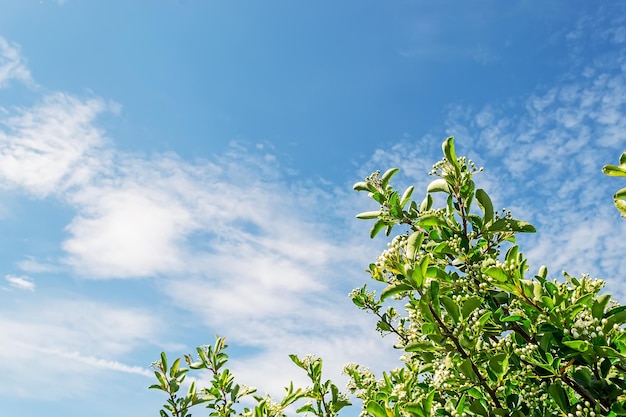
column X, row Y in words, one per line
column 170, row 170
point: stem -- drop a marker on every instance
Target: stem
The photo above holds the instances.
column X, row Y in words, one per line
column 464, row 355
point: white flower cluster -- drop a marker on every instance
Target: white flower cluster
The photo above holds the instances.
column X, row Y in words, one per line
column 363, row 380
column 443, row 373
column 387, row 262
column 586, row 326
column 443, row 167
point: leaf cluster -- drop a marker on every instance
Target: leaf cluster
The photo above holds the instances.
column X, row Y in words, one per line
column 481, row 337
column 619, row 198
column 223, row 396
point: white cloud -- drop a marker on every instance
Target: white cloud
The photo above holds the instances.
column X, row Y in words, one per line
column 20, row 282
column 30, row 264
column 53, row 146
column 70, row 341
column 12, row 64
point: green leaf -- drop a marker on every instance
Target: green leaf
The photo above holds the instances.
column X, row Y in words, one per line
column 427, row 203
column 499, row 363
column 366, row 215
column 614, row 171
column 174, row 368
column 521, row 226
column 406, row 195
column 579, row 345
column 421, row 346
column 451, row 307
column 378, row 226
column 599, row 305
column 466, row 369
column 497, row 273
column 413, row 244
column 376, row 409
column 360, row 186
column 448, row 150
column 438, row 186
column 559, row 396
column 460, row 406
column 384, row 179
column 543, row 272
column 621, row 206
column 470, row 305
column 514, row 318
column 621, row 193
column 431, row 220
column 394, row 289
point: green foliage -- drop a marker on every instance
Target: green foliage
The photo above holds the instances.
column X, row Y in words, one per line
column 619, row 198
column 479, row 336
column 223, row 396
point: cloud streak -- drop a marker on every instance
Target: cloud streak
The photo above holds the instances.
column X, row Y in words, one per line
column 12, row 64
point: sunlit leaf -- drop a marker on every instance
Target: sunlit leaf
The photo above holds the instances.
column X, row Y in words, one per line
column 579, row 345
column 394, row 289
column 438, row 186
column 376, row 409
column 369, row 215
column 413, row 244
column 614, row 171
column 497, row 273
column 384, row 179
column 448, row 150
column 406, row 195
column 361, row 186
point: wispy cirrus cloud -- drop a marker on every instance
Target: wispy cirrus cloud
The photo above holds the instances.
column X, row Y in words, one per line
column 232, row 240
column 13, row 66
column 53, row 146
column 20, row 282
column 68, row 340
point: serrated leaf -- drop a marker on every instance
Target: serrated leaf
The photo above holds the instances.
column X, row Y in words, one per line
column 438, row 186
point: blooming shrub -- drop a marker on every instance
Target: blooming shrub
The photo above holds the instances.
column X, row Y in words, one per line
column 480, row 337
